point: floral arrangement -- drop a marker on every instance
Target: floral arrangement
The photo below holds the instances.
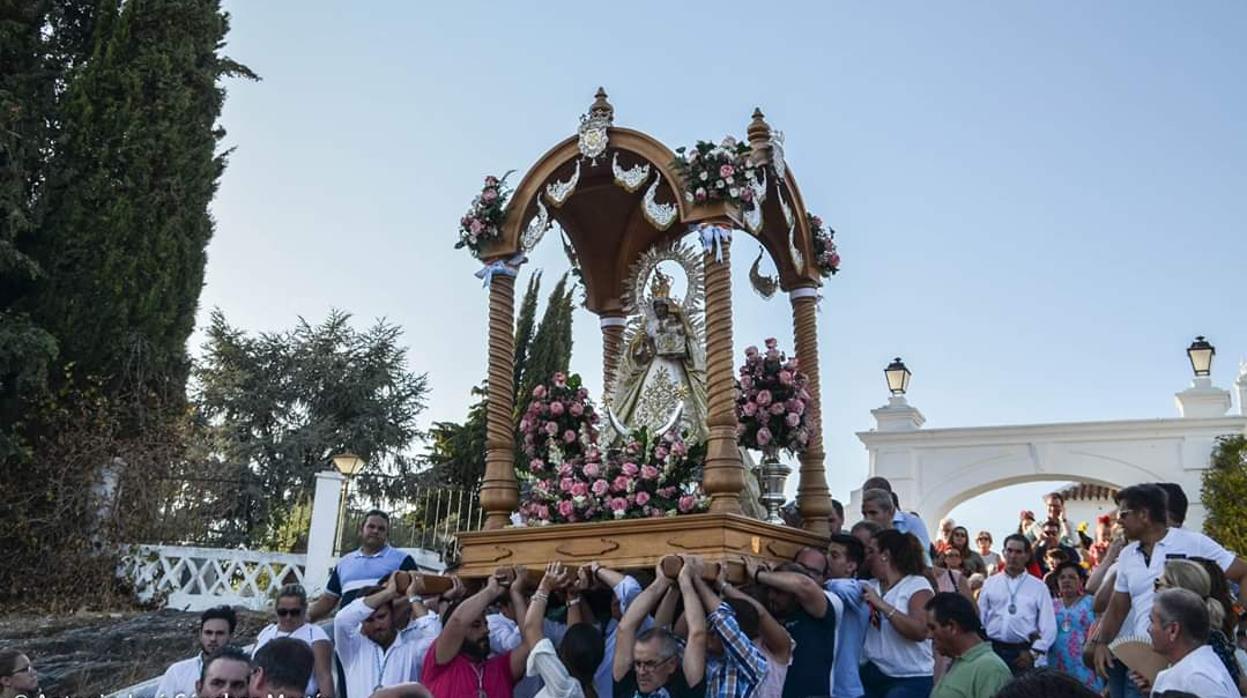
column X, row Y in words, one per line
column 823, row 237
column 720, row 172
column 568, row 479
column 771, row 403
column 483, row 221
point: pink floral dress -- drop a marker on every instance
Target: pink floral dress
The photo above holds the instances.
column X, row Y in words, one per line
column 1072, row 625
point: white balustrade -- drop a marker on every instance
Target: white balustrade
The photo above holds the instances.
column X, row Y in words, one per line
column 194, row 579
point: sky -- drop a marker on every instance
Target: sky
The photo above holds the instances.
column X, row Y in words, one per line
column 1038, row 205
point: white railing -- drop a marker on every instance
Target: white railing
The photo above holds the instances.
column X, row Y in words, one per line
column 193, row 579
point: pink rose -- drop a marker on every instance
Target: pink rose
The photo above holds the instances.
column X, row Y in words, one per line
column 536, row 464
column 565, row 469
column 764, row 398
column 746, row 194
column 803, row 436
column 620, row 484
column 491, row 181
column 552, row 428
column 649, row 472
column 475, row 226
column 582, row 394
column 560, row 379
column 667, row 492
column 749, row 409
column 746, row 382
column 543, row 512
column 576, row 409
column 630, row 469
column 793, row 419
column 592, row 469
column 785, row 378
column 569, row 436
column 686, row 503
column 660, row 453
column 726, row 171
column 489, row 195
column 566, row 509
column 678, row 448
column 794, row 363
column 655, row 512
column 764, row 436
column 777, row 408
column 642, row 498
column 539, row 392
column 618, row 504
column 580, row 489
column 566, row 484
column 600, row 487
column 556, row 408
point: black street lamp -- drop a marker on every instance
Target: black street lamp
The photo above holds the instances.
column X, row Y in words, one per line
column 1200, row 353
column 898, row 376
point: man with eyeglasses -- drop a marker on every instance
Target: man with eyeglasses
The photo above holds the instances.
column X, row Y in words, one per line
column 216, row 630
column 17, row 675
column 1144, row 516
column 649, row 664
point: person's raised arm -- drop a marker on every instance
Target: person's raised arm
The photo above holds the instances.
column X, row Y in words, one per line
column 774, row 635
column 807, row 591
column 722, row 620
column 626, row 631
column 1096, row 578
column 664, row 617
column 910, row 622
column 694, row 662
column 556, row 577
column 450, row 641
column 322, row 668
column 519, row 655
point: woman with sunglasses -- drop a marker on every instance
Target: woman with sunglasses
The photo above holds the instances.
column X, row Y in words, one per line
column 291, row 610
column 1189, row 574
column 17, row 675
column 971, row 562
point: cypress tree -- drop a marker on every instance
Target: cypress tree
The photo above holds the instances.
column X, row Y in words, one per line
column 551, row 350
column 524, row 327
column 125, row 204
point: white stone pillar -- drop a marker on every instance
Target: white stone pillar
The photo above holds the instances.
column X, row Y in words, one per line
column 898, row 415
column 323, row 532
column 1203, row 400
column 1241, row 384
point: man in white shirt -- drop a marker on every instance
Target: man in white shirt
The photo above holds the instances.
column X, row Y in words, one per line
column 1016, row 610
column 1179, row 631
column 216, row 629
column 225, row 674
column 373, row 653
column 1143, row 513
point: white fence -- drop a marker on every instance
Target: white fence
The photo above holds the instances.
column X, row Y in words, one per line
column 193, row 579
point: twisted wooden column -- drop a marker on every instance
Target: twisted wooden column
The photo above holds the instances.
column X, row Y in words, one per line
column 725, row 474
column 612, row 345
column 499, row 496
column 813, row 497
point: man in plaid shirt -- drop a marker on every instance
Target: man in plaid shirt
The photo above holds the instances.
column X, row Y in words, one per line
column 735, row 667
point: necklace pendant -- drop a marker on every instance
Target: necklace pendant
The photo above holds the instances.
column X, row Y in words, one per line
column 1012, row 609
column 480, row 693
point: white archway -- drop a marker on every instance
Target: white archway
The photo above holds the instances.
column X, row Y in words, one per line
column 934, row 470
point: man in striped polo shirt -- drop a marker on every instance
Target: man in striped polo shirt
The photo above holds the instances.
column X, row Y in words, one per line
column 363, row 567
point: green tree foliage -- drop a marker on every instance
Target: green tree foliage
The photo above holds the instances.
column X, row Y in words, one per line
column 1225, row 493
column 456, row 450
column 124, row 204
column 278, row 406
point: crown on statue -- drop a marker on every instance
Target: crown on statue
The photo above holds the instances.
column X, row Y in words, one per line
column 660, row 287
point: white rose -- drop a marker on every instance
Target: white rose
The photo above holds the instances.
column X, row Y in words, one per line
column 703, row 176
column 733, row 192
column 719, row 184
column 730, row 180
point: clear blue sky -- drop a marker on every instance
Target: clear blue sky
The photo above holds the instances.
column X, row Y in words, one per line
column 1038, row 204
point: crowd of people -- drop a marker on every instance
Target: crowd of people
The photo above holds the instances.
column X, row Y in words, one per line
column 1145, row 608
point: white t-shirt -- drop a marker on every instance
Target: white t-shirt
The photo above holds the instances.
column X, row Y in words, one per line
column 896, row 655
column 179, row 679
column 308, row 633
column 368, row 666
column 1200, row 673
column 544, row 662
column 1137, row 576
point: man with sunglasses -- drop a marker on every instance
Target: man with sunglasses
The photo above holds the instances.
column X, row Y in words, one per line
column 216, row 630
column 1143, row 511
column 649, row 664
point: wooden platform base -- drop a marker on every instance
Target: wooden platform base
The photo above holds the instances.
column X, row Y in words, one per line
column 633, row 543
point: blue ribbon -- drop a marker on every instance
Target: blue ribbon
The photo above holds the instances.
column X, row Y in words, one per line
column 713, row 237
column 510, row 267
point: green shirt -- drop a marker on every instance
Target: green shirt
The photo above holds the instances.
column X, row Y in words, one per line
column 979, row 673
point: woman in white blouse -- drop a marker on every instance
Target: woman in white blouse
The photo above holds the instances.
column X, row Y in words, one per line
column 567, row 673
column 291, row 610
column 899, row 663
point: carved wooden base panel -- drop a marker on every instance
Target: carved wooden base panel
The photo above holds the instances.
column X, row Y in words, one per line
column 633, row 543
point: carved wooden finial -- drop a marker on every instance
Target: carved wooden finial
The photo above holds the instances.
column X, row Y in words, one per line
column 601, row 107
column 760, row 137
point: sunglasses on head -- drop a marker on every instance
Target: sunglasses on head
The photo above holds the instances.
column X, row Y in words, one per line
column 283, row 612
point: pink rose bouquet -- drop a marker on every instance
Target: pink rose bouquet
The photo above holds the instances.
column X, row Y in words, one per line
column 771, row 402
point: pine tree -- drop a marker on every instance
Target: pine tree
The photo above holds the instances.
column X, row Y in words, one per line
column 126, row 222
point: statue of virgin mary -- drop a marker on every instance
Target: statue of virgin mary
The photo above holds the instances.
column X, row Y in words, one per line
column 663, row 369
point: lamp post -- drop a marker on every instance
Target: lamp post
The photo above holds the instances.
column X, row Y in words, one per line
column 898, row 377
column 1200, row 353
column 349, row 465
